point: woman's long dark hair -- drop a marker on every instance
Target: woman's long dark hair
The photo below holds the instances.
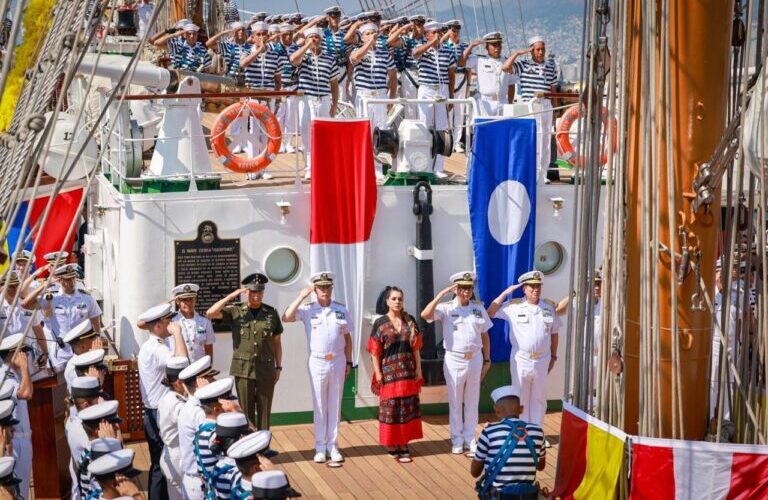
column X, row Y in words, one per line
column 382, row 307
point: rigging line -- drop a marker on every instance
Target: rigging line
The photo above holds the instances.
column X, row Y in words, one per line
column 485, row 20
column 474, row 7
column 6, row 68
column 522, row 23
column 453, row 9
column 506, row 26
column 463, row 18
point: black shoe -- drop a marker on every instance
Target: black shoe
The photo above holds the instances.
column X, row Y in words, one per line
column 270, row 453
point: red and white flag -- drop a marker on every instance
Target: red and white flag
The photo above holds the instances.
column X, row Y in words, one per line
column 343, row 202
column 676, row 469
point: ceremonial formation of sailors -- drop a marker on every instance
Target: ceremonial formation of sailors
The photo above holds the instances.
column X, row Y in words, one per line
column 332, row 58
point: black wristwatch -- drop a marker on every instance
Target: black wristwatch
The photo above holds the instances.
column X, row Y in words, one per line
column 279, row 368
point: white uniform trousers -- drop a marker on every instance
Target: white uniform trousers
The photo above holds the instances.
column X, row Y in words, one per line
column 286, row 115
column 311, row 107
column 460, row 111
column 376, row 112
column 462, row 377
column 489, row 106
column 327, row 381
column 170, row 462
column 192, row 488
column 532, row 379
column 22, row 451
column 434, row 114
column 714, row 384
column 408, row 90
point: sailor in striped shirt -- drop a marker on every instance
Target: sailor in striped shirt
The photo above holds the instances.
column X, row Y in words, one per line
column 289, row 80
column 171, row 40
column 536, row 74
column 375, row 75
column 243, row 459
column 516, row 476
column 233, row 49
column 192, row 54
column 461, row 82
column 437, row 67
column 319, row 80
column 404, row 39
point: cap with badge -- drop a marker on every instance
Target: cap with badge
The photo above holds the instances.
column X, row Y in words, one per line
column 502, row 392
column 83, row 330
column 85, row 387
column 185, row 291
column 105, row 467
column 272, row 484
column 322, row 278
column 11, row 342
column 83, row 362
column 175, row 365
column 66, row 271
column 493, row 37
column 598, row 276
column 93, row 415
column 56, row 257
column 463, row 278
column 198, row 368
column 23, row 256
column 453, row 23
column 255, row 282
column 530, row 278
column 433, row 26
column 156, row 313
column 250, row 445
column 7, row 477
column 6, row 413
column 102, row 446
column 260, row 16
column 534, row 40
column 219, row 389
column 231, row 424
column 11, row 278
column 335, row 9
column 416, row 19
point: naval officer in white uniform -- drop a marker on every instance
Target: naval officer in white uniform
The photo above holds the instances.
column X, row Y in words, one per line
column 465, row 326
column 168, row 423
column 196, row 329
column 495, row 87
column 81, row 339
column 327, row 324
column 153, row 358
column 533, row 332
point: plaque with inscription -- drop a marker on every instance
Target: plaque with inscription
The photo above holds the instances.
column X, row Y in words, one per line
column 210, row 262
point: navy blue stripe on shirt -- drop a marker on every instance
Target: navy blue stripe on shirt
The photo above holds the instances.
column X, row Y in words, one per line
column 520, row 466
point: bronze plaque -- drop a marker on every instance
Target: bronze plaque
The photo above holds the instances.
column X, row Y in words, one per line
column 210, row 262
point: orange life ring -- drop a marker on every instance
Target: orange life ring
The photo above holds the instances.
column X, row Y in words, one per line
column 563, row 131
column 219, row 138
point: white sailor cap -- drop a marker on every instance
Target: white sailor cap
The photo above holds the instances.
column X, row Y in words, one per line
column 191, row 27
column 6, row 390
column 6, row 413
column 7, row 478
column 464, row 278
column 286, row 28
column 175, row 365
column 56, row 257
column 314, row 30
column 371, row 13
column 433, row 26
column 66, row 271
column 198, row 368
column 322, row 278
column 502, row 392
column 23, row 255
column 101, row 411
column 11, row 342
column 102, row 446
column 272, row 484
column 82, row 330
column 237, row 25
column 534, row 40
column 87, row 359
column 115, row 462
column 274, row 28
column 493, row 36
column 454, row 23
column 181, row 22
column 368, row 27
column 270, row 19
column 85, row 387
column 185, row 290
column 333, row 9
column 260, row 15
column 231, row 424
column 156, row 313
column 250, row 445
column 416, row 18
column 259, row 26
column 218, row 389
column 530, row 278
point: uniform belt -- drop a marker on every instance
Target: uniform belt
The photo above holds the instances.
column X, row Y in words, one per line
column 328, row 356
column 533, row 355
column 465, row 354
column 371, row 92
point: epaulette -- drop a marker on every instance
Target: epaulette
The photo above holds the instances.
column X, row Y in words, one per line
column 267, row 307
column 516, row 300
column 83, row 291
column 338, row 303
column 477, row 302
column 550, row 302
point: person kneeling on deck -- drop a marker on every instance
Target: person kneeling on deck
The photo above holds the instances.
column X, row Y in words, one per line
column 509, row 451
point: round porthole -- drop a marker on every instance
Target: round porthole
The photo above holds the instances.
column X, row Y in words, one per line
column 549, row 257
column 282, row 265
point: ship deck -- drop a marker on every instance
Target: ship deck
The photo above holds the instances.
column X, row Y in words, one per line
column 369, row 472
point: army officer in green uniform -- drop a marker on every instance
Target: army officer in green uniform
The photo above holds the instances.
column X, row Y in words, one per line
column 257, row 351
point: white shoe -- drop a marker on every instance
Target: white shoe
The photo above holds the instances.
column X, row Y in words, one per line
column 547, row 444
column 457, row 450
column 457, row 148
column 289, row 148
column 336, row 456
column 441, row 175
column 266, row 176
column 320, row 457
column 308, row 175
column 237, row 149
column 472, row 447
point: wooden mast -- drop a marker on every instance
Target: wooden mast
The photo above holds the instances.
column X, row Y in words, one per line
column 699, row 38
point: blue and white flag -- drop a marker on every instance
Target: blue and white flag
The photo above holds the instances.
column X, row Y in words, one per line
column 502, row 203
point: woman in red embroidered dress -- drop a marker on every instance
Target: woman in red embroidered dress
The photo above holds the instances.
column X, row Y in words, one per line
column 394, row 346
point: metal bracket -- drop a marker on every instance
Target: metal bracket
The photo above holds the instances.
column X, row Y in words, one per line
column 420, row 254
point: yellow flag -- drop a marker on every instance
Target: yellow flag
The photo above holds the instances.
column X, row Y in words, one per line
column 605, row 453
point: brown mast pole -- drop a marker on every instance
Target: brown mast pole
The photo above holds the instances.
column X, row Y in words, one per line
column 699, row 36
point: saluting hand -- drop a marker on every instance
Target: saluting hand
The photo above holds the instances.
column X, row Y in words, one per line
column 307, row 290
column 106, row 430
column 447, row 290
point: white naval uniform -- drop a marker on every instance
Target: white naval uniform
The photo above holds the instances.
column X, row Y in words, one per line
column 326, row 328
column 78, row 441
column 530, row 330
column 64, row 311
column 462, row 328
column 168, row 422
column 492, row 84
column 197, row 332
column 153, row 356
column 714, row 376
column 190, row 417
column 22, row 433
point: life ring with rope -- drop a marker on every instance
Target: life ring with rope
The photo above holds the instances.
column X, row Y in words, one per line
column 563, row 134
column 219, row 139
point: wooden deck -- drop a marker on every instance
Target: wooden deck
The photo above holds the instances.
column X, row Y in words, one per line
column 369, row 472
